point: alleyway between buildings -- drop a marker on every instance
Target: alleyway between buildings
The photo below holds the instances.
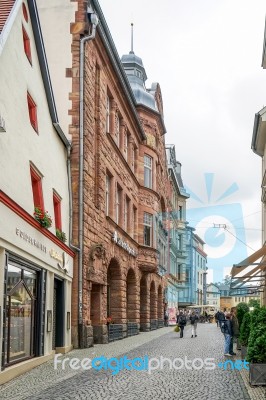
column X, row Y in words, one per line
column 45, row 383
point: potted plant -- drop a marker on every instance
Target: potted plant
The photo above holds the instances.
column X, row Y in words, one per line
column 61, row 235
column 257, row 348
column 42, row 217
column 244, row 334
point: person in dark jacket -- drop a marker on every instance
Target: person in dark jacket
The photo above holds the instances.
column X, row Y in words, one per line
column 181, row 321
column 236, row 332
column 228, row 334
column 220, row 317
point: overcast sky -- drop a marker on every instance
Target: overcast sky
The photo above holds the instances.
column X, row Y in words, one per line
column 206, row 55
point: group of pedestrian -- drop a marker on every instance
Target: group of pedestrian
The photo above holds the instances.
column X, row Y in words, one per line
column 181, row 321
column 228, row 323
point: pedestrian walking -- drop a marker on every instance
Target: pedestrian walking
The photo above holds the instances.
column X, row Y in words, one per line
column 194, row 321
column 227, row 329
column 166, row 318
column 235, row 326
column 216, row 318
column 181, row 321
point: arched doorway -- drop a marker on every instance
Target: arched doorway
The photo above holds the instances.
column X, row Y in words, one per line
column 114, row 291
column 132, row 308
column 153, row 306
column 132, row 295
column 144, row 305
column 160, row 307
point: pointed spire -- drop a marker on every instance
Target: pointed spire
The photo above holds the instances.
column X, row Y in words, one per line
column 131, row 51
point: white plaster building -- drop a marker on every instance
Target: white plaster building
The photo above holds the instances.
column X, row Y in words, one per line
column 36, row 266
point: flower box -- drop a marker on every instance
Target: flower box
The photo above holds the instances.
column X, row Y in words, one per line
column 42, row 217
column 257, row 374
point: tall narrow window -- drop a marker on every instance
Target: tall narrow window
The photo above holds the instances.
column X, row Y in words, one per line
column 117, row 131
column 127, row 214
column 134, row 222
column 147, row 234
column 135, row 160
column 180, row 212
column 32, row 112
column 36, row 182
column 107, row 194
column 108, row 101
column 118, row 197
column 179, row 271
column 179, row 242
column 26, row 43
column 147, row 171
column 57, row 211
column 127, row 147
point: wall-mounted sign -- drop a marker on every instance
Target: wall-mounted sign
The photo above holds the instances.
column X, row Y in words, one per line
column 62, row 258
column 30, row 240
column 120, row 242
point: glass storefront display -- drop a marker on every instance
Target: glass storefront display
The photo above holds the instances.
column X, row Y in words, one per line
column 20, row 320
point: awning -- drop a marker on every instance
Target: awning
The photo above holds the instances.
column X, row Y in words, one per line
column 247, row 275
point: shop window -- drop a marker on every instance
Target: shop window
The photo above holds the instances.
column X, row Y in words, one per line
column 32, row 112
column 57, row 211
column 36, row 182
column 20, row 321
column 26, row 43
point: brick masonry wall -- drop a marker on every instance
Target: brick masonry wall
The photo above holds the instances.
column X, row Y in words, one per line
column 101, row 154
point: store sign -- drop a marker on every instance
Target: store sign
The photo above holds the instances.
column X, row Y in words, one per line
column 62, row 258
column 121, row 243
column 30, row 240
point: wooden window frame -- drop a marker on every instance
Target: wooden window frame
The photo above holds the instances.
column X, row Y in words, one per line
column 32, row 112
column 36, row 183
column 26, row 43
column 57, row 211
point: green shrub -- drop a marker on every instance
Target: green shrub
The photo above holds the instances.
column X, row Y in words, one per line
column 257, row 337
column 245, row 329
column 241, row 310
column 254, row 303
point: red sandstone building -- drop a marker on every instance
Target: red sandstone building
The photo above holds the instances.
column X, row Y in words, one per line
column 119, row 180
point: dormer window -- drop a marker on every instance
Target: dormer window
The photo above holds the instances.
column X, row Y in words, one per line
column 138, row 73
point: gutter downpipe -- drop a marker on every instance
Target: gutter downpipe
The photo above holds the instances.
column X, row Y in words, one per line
column 81, row 180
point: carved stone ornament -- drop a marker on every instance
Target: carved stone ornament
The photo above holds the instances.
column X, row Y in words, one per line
column 97, row 251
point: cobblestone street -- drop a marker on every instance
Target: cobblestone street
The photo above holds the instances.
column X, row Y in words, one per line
column 44, row 383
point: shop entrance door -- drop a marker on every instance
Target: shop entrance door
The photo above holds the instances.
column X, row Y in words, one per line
column 58, row 313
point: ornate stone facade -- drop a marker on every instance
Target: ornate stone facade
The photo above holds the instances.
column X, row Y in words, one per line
column 120, row 279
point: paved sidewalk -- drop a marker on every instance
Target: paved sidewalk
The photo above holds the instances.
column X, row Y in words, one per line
column 45, row 383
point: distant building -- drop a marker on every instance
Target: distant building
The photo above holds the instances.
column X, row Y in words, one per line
column 177, row 230
column 213, row 295
column 225, row 298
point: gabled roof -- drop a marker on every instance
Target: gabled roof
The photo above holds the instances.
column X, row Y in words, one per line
column 5, row 9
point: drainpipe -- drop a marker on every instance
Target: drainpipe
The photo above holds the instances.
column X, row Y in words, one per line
column 93, row 19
